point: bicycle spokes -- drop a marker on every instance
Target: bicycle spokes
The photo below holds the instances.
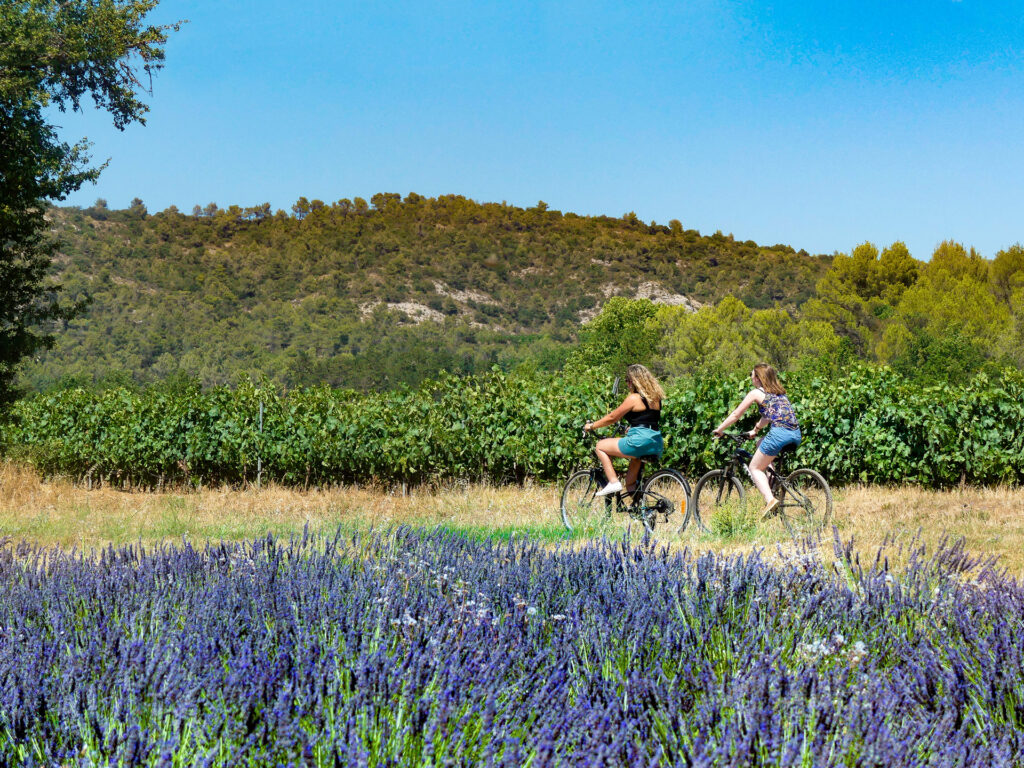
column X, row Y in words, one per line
column 807, row 502
column 582, row 512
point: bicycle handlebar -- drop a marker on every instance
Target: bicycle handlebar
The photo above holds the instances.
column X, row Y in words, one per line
column 617, row 430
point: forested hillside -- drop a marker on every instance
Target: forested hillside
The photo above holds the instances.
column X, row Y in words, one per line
column 939, row 321
column 371, row 294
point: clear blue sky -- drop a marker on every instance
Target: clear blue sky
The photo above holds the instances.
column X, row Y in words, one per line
column 820, row 125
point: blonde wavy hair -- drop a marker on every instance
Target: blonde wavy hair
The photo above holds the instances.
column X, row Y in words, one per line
column 642, row 381
column 769, row 379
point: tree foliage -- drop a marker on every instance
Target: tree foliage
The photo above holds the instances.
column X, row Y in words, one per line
column 622, row 334
column 934, row 321
column 855, row 292
column 55, row 53
column 938, row 320
column 1007, row 272
column 952, row 299
column 729, row 336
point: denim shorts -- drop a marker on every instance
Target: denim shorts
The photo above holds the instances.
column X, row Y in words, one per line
column 640, row 442
column 777, row 439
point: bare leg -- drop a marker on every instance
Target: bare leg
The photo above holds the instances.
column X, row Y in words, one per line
column 605, row 449
column 758, row 466
column 631, row 474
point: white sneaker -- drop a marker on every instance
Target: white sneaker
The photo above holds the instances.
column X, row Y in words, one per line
column 609, row 489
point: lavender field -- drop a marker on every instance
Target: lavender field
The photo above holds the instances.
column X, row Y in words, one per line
column 424, row 648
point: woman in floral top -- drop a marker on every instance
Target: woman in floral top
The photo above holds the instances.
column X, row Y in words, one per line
column 777, row 411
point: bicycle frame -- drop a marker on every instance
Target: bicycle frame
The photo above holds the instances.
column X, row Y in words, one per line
column 650, row 506
column 775, row 471
column 741, row 458
column 600, row 479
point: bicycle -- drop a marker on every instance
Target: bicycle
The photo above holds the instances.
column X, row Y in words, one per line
column 654, row 504
column 804, row 495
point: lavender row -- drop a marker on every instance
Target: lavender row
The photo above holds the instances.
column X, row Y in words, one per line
column 424, row 648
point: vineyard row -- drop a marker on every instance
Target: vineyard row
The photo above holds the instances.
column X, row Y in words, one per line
column 870, row 426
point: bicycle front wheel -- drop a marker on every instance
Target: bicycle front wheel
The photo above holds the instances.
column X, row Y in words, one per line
column 582, row 513
column 667, row 493
column 716, row 490
column 806, row 504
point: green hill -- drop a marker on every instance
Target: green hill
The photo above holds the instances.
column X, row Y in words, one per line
column 369, row 295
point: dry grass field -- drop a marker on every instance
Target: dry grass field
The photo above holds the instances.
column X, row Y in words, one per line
column 58, row 512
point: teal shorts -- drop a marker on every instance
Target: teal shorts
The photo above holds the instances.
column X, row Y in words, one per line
column 640, row 442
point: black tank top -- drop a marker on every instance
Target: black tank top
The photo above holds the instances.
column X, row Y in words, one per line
column 647, row 418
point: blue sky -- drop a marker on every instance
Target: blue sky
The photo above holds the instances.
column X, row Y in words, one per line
column 820, row 125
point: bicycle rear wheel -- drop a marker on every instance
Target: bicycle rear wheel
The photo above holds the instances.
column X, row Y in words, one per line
column 806, row 504
column 582, row 513
column 668, row 494
column 716, row 490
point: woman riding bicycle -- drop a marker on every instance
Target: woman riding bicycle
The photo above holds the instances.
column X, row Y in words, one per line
column 642, row 411
column 776, row 410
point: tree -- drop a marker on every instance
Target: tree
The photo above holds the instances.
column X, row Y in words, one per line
column 55, row 53
column 301, row 208
column 137, row 208
column 949, row 311
column 861, row 289
column 955, row 260
column 382, row 200
column 624, row 333
column 1007, row 271
column 932, row 359
column 729, row 337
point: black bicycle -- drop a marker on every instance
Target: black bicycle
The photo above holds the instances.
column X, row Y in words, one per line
column 656, row 503
column 804, row 495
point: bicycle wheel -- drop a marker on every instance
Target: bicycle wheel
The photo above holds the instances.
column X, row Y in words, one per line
column 668, row 495
column 714, row 491
column 806, row 502
column 582, row 513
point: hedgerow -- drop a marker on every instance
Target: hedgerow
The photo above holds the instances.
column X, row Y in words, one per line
column 872, row 425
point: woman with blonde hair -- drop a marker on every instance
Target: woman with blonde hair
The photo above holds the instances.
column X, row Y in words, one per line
column 776, row 410
column 642, row 411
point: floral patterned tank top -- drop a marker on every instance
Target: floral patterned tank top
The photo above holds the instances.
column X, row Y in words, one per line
column 779, row 411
